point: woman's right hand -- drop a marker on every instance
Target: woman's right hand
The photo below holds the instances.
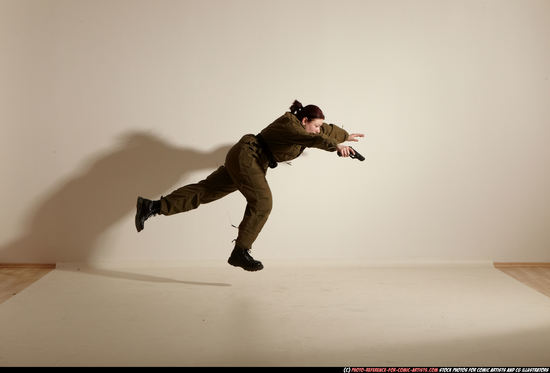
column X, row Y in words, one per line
column 344, row 150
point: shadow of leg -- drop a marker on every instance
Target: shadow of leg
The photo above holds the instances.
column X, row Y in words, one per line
column 65, row 227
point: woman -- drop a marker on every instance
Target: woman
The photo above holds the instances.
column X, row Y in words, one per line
column 245, row 168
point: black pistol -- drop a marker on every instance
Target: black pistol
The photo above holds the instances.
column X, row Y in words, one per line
column 355, row 156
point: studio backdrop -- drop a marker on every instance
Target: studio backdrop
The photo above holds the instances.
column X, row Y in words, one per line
column 103, row 101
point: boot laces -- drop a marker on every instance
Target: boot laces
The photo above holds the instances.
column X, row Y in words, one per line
column 248, row 256
column 151, row 211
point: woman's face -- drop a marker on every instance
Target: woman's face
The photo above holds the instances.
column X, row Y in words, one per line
column 312, row 126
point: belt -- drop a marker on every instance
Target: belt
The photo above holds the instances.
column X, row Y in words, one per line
column 267, row 151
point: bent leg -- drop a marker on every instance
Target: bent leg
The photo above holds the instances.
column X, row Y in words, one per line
column 258, row 208
column 217, row 185
column 250, row 180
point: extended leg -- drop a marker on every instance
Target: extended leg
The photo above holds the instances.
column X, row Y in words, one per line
column 215, row 186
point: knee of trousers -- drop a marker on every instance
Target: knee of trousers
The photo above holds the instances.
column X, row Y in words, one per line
column 263, row 207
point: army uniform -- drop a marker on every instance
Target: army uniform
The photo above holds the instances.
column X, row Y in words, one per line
column 245, row 168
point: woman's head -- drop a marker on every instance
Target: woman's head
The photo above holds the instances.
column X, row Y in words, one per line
column 311, row 116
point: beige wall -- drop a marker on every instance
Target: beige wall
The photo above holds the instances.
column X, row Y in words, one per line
column 102, row 101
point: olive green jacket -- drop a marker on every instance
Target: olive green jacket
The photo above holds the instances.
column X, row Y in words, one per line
column 287, row 138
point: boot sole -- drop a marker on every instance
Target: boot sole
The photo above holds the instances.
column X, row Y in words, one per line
column 246, row 269
column 139, row 205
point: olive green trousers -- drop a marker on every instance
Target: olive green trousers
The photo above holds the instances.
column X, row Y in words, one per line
column 244, row 170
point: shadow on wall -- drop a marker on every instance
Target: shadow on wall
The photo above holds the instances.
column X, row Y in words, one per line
column 66, row 226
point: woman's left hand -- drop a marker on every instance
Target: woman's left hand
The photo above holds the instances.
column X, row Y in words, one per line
column 354, row 137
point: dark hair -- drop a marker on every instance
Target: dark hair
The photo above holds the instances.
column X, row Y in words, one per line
column 310, row 111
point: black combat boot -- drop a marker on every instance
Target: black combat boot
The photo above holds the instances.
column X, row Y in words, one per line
column 241, row 258
column 145, row 209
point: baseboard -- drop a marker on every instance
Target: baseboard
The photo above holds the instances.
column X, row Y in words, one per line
column 521, row 265
column 28, row 265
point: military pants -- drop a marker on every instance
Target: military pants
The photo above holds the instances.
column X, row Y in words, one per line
column 244, row 170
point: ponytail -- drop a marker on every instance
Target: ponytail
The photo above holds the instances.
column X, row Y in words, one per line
column 296, row 105
column 310, row 111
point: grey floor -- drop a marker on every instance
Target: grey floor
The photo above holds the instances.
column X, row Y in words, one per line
column 285, row 315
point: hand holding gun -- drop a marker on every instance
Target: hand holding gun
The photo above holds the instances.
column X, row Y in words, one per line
column 353, row 154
